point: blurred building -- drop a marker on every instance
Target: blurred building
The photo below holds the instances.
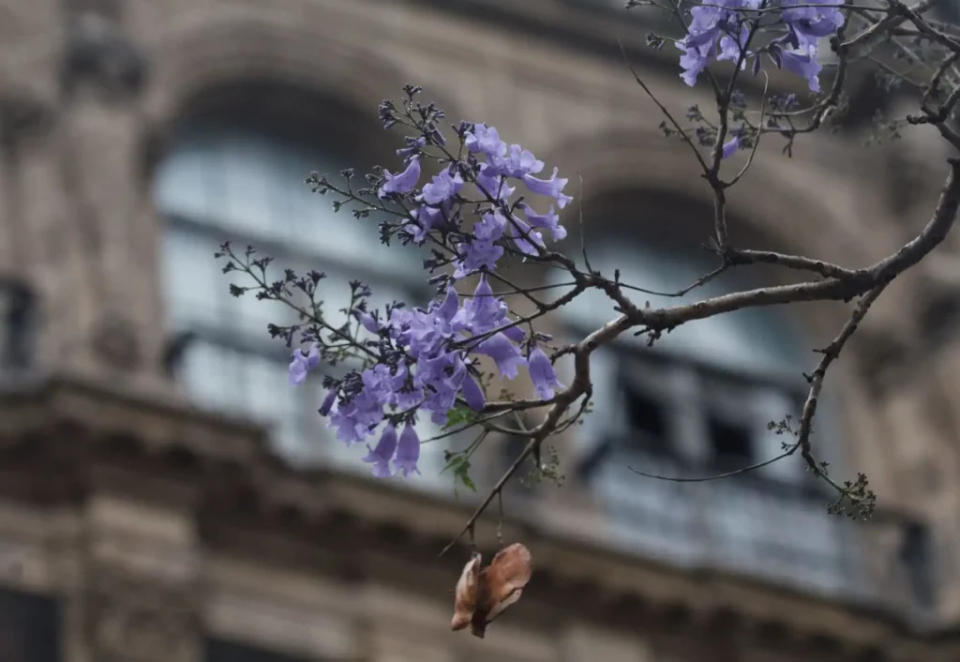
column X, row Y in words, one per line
column 166, row 496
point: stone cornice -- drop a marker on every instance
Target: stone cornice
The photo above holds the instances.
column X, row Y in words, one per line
column 62, row 439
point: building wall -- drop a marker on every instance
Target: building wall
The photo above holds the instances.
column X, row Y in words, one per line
column 92, row 96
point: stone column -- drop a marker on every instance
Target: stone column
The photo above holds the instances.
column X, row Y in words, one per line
column 141, row 597
column 75, row 201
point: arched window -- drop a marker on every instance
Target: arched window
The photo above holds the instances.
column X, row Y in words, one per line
column 223, row 180
column 698, row 402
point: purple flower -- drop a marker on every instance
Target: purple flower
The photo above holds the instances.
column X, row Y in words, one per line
column 708, row 27
column 402, row 182
column 730, row 147
column 505, row 354
column 381, row 455
column 491, row 227
column 542, row 375
column 733, row 49
column 803, row 64
column 477, row 254
column 355, row 418
column 514, row 333
column 552, row 188
column 450, row 305
column 367, row 320
column 442, row 187
column 441, row 376
column 527, row 240
column 426, row 332
column 517, row 163
column 425, row 355
column 701, row 41
column 550, row 220
column 809, row 24
column 426, row 218
column 485, row 139
column 693, row 62
column 493, row 184
column 328, row 401
column 414, row 145
column 483, row 311
column 379, row 384
column 408, row 398
column 472, row 393
column 408, row 451
column 301, row 364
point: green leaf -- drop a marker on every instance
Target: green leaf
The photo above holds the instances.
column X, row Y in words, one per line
column 460, row 463
column 462, row 473
column 458, row 416
column 453, row 460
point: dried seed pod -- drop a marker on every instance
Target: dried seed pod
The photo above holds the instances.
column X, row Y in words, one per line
column 483, row 594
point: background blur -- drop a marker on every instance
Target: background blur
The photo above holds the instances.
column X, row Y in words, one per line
column 166, row 496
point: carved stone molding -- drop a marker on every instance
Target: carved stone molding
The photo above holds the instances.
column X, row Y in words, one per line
column 99, row 54
column 138, row 619
column 115, row 342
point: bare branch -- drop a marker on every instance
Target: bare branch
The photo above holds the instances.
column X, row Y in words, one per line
column 579, row 387
column 872, row 280
column 827, row 269
column 830, row 353
column 830, row 289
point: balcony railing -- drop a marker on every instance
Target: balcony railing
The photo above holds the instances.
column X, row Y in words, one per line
column 766, row 528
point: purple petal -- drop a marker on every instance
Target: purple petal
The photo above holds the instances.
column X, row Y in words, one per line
column 527, row 240
column 550, row 220
column 493, row 184
column 408, row 451
column 442, row 187
column 483, row 311
column 477, row 254
column 328, row 401
column 805, row 65
column 368, row 322
column 450, row 305
column 301, row 364
column 472, row 393
column 542, row 374
column 551, row 188
column 485, row 139
column 730, row 147
column 505, row 354
column 491, row 227
column 381, row 455
column 514, row 333
column 403, row 182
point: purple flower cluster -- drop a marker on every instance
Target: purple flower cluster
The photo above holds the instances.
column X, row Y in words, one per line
column 496, row 164
column 723, row 30
column 715, row 32
column 426, row 359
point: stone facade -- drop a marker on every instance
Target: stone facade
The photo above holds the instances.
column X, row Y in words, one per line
column 155, row 531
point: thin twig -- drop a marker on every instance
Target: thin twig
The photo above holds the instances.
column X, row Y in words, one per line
column 663, row 109
column 727, row 474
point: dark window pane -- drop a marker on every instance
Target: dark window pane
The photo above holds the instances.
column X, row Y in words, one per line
column 226, row 651
column 28, row 628
column 648, row 426
column 950, row 10
column 16, row 317
column 915, row 554
column 730, row 442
